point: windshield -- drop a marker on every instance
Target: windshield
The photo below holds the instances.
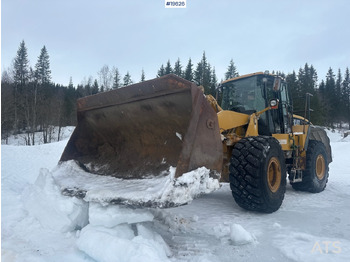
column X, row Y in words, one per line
column 243, row 95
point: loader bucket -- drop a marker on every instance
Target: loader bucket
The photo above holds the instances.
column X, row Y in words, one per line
column 141, row 130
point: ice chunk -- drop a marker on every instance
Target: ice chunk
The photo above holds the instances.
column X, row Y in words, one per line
column 113, row 215
column 239, row 236
column 107, row 245
column 44, row 201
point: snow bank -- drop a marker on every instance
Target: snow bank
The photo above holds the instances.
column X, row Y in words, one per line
column 44, row 201
column 159, row 191
column 117, row 234
column 104, row 233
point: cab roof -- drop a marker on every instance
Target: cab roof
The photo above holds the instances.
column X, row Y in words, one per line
column 247, row 75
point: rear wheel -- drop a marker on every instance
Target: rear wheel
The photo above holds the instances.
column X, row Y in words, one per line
column 258, row 174
column 315, row 176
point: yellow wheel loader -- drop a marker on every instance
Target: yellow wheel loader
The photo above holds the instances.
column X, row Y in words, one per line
column 252, row 139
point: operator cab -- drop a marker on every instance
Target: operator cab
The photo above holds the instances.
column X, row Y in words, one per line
column 251, row 93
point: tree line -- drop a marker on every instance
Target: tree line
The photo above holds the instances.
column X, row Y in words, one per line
column 31, row 102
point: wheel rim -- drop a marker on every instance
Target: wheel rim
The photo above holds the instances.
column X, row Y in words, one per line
column 274, row 174
column 320, row 167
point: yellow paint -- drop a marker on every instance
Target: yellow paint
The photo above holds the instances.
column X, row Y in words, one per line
column 230, row 119
column 252, row 129
column 285, row 141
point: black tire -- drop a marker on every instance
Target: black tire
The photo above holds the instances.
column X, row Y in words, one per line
column 315, row 176
column 258, row 174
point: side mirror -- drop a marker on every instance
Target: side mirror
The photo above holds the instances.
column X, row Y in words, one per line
column 274, row 103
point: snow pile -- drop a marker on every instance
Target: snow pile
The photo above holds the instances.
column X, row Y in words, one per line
column 338, row 135
column 240, row 236
column 160, row 191
column 118, row 234
column 44, row 201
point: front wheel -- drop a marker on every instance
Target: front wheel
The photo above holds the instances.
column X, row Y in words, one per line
column 258, row 174
column 315, row 175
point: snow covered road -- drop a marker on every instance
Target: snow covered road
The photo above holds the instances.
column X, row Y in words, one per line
column 39, row 224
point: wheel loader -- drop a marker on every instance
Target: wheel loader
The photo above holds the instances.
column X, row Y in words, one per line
column 251, row 140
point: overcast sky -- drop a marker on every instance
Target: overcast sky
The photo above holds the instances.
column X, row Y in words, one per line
column 81, row 35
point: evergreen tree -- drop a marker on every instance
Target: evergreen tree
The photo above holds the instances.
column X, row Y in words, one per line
column 189, row 71
column 116, row 79
column 214, row 82
column 231, row 71
column 95, row 87
column 161, row 71
column 42, row 67
column 199, row 72
column 178, row 68
column 70, row 85
column 293, row 86
column 142, row 76
column 346, row 95
column 127, row 79
column 21, row 66
column 202, row 75
column 7, row 105
column 338, row 83
column 339, row 102
column 168, row 68
column 330, row 97
column 21, row 72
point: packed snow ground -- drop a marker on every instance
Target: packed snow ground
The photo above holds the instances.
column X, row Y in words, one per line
column 40, row 224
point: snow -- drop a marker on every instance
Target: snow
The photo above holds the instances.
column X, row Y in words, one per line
column 40, row 224
column 240, row 236
column 153, row 192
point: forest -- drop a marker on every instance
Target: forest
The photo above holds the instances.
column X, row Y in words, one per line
column 31, row 102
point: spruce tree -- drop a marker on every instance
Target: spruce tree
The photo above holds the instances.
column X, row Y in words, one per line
column 70, row 85
column 142, row 76
column 21, row 72
column 189, row 71
column 127, row 79
column 293, row 86
column 231, row 71
column 178, row 68
column 95, row 87
column 116, row 78
column 346, row 95
column 214, row 82
column 199, row 71
column 202, row 75
column 161, row 71
column 330, row 97
column 21, row 66
column 42, row 68
column 168, row 68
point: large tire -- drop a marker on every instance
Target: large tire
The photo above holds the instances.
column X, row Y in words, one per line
column 315, row 176
column 258, row 174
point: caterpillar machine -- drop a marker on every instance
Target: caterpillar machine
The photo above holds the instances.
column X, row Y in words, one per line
column 252, row 140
